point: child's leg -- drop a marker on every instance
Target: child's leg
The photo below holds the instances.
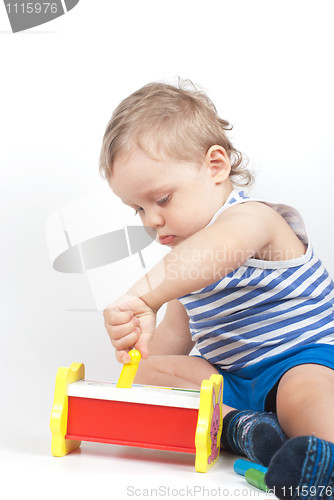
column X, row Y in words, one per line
column 185, row 372
column 254, row 434
column 304, row 467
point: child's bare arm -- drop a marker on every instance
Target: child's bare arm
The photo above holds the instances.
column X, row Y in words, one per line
column 209, row 255
column 197, row 262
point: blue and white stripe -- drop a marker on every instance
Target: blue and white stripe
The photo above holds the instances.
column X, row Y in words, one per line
column 263, row 308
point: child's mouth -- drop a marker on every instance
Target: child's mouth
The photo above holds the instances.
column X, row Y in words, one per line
column 165, row 240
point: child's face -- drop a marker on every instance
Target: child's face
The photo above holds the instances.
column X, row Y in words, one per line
column 176, row 199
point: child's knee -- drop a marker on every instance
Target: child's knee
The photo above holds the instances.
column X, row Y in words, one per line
column 291, row 391
column 304, row 383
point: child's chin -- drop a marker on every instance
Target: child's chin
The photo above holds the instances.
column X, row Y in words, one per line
column 173, row 244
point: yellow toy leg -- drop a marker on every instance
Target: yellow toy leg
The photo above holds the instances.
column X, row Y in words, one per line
column 58, row 422
column 209, row 424
column 129, row 370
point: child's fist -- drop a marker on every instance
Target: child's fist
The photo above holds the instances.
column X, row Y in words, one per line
column 130, row 322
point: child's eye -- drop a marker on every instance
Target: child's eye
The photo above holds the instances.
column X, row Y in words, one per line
column 163, row 200
column 159, row 202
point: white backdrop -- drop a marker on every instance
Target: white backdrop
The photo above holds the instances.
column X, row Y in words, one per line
column 268, row 66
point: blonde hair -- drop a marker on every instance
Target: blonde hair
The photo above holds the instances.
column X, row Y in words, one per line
column 179, row 122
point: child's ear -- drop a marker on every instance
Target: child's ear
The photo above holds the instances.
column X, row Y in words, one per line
column 218, row 162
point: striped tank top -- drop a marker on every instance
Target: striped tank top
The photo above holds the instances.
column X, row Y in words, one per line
column 263, row 308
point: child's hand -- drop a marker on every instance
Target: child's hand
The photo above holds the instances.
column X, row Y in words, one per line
column 130, row 322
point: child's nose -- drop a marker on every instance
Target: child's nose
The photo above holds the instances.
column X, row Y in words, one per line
column 154, row 219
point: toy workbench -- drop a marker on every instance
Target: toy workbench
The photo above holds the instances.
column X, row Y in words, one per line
column 187, row 421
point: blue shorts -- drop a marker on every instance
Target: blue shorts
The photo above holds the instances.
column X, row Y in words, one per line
column 249, row 387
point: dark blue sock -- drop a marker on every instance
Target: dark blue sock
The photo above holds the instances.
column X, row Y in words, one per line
column 257, row 435
column 303, row 468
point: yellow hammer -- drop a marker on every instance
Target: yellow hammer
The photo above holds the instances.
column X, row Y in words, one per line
column 129, row 370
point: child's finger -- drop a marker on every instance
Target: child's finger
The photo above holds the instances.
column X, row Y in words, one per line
column 126, row 342
column 120, row 331
column 123, row 357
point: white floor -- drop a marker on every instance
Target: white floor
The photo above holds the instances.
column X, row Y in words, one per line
column 106, row 472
